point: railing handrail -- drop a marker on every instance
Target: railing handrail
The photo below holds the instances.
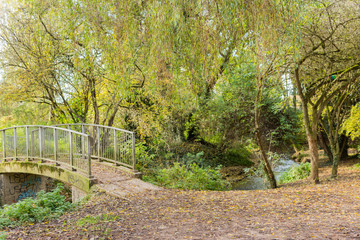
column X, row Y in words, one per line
column 99, row 150
column 94, row 125
column 104, row 143
column 45, row 126
column 81, row 163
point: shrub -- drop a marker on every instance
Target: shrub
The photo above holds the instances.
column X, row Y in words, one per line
column 198, row 159
column 191, row 176
column 145, row 160
column 44, row 206
column 296, row 173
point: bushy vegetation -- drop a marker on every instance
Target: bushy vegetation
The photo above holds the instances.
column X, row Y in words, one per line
column 192, row 171
column 296, row 173
column 236, row 157
column 45, row 206
column 191, row 176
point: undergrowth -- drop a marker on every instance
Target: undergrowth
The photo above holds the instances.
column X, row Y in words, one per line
column 190, row 171
column 296, row 173
column 191, row 176
column 29, row 210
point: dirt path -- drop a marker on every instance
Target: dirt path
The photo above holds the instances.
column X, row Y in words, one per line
column 301, row 210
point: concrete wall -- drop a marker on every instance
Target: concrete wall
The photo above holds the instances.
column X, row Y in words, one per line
column 17, row 186
column 77, row 194
column 19, row 180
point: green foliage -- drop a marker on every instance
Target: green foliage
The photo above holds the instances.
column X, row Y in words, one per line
column 144, row 159
column 280, row 122
column 44, row 206
column 191, row 176
column 3, row 235
column 198, row 159
column 352, row 124
column 296, row 173
column 12, row 114
column 228, row 115
column 236, row 157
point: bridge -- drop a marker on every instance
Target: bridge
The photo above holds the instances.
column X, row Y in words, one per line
column 66, row 152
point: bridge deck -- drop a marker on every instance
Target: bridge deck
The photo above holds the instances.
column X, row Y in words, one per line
column 116, row 182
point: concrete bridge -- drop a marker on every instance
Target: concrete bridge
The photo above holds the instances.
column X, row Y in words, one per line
column 30, row 155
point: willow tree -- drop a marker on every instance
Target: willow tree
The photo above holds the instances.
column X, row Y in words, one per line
column 50, row 58
column 155, row 62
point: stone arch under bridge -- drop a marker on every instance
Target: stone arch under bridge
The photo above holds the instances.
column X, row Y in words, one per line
column 17, row 177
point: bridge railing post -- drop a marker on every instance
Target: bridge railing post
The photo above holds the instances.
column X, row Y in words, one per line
column 115, row 147
column 71, row 149
column 15, row 143
column 98, row 142
column 32, row 144
column 133, row 150
column 41, row 141
column 4, row 145
column 83, row 141
column 56, row 147
column 27, row 143
column 89, row 157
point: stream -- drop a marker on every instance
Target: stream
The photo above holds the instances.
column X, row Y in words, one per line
column 257, row 183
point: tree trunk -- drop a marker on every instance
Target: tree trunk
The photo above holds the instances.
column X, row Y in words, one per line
column 94, row 101
column 267, row 167
column 336, row 152
column 310, row 128
column 268, row 171
column 314, row 158
column 334, row 171
column 344, row 143
column 324, row 144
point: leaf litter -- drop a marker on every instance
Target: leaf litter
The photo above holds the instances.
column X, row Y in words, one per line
column 299, row 210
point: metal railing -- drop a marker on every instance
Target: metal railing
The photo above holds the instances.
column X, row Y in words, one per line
column 108, row 143
column 62, row 146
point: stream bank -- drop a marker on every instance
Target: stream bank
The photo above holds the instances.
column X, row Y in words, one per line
column 254, row 182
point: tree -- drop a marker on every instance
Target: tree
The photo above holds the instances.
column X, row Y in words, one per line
column 44, row 65
column 335, row 112
column 328, row 48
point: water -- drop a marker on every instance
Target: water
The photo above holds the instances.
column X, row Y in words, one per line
column 256, row 183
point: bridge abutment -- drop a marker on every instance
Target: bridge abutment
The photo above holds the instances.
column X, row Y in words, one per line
column 17, row 186
column 77, row 194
